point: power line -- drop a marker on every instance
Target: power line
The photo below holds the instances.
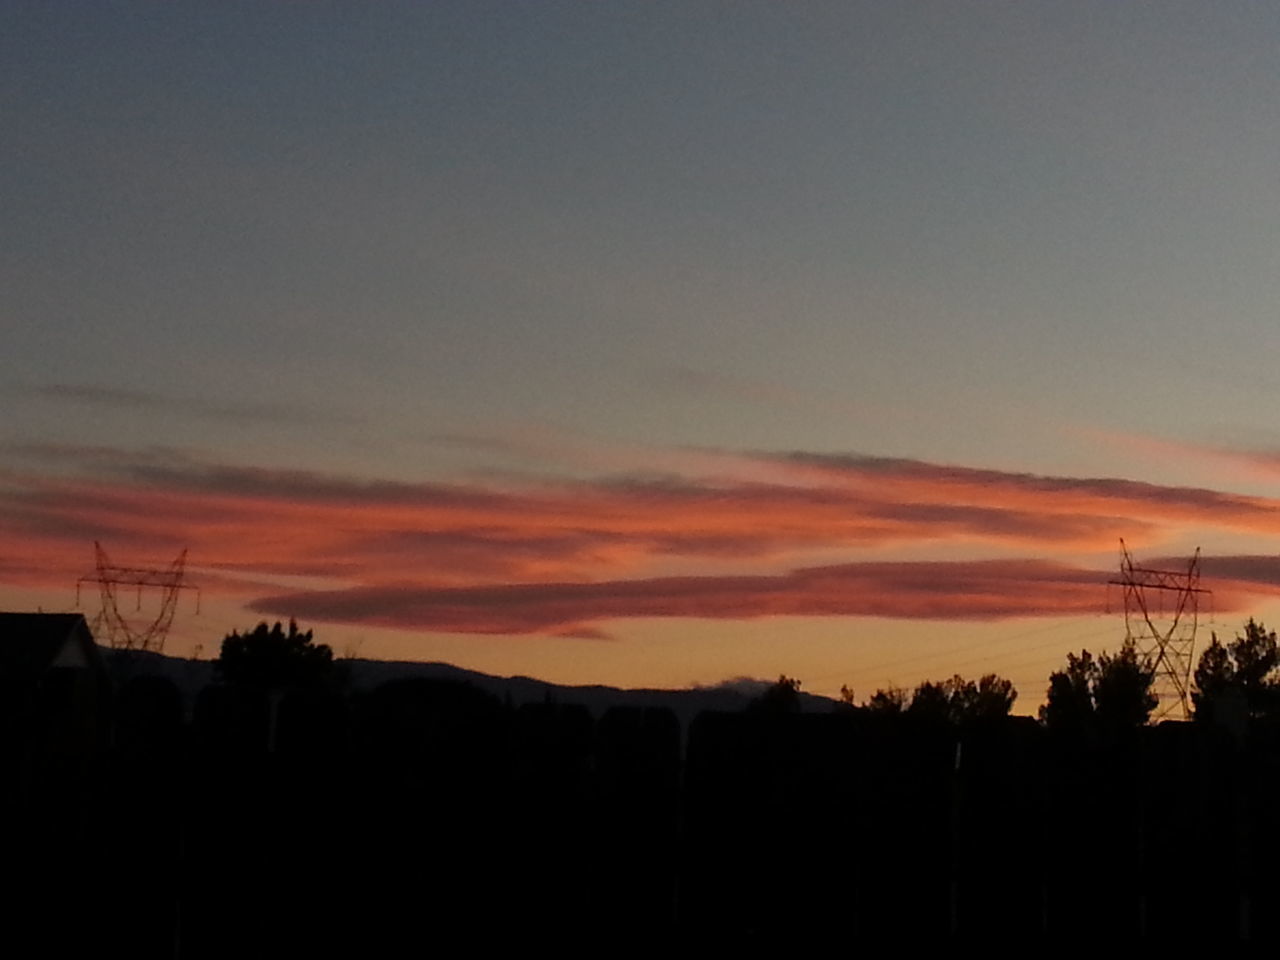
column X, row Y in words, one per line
column 940, row 655
column 941, row 661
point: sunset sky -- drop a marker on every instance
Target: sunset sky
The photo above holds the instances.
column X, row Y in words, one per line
column 646, row 344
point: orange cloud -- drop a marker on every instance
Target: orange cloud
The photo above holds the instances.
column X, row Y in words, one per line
column 561, row 557
column 982, row 590
column 1101, row 498
column 962, row 590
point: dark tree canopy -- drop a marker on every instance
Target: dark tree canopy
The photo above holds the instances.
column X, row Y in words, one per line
column 268, row 658
column 931, row 701
column 1122, row 694
column 1109, row 694
column 949, row 701
column 780, row 697
column 1244, row 674
column 1069, row 703
column 887, row 702
column 992, row 696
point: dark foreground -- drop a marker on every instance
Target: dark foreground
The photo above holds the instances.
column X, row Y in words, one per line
column 395, row 822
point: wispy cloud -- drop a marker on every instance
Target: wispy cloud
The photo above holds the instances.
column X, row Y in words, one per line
column 564, row 557
column 1132, row 500
column 1237, row 461
column 1242, row 570
column 989, row 590
column 1258, row 462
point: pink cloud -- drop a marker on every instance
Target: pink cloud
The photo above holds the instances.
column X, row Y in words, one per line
column 563, row 557
column 982, row 590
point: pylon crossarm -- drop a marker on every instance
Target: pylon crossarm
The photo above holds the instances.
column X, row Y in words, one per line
column 109, row 577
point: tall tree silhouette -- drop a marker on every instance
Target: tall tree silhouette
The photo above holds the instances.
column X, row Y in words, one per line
column 1245, row 672
column 1069, row 704
column 1110, row 694
column 1122, row 694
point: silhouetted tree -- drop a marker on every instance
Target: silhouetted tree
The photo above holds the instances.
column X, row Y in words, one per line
column 959, row 700
column 1214, row 676
column 780, row 697
column 887, row 702
column 1122, row 695
column 1069, row 704
column 1111, row 693
column 931, row 702
column 1247, row 670
column 993, row 696
column 270, row 659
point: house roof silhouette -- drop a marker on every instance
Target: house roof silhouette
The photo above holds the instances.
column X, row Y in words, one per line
column 33, row 643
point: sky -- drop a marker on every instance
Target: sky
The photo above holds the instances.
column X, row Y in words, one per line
column 648, row 344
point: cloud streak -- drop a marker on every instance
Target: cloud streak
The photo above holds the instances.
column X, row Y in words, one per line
column 919, row 481
column 985, row 590
column 564, row 557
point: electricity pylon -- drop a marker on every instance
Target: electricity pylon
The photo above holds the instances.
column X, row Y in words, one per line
column 108, row 622
column 1161, row 611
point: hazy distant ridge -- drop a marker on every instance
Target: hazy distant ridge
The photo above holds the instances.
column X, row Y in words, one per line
column 192, row 675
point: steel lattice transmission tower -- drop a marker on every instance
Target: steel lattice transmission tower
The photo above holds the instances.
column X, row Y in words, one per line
column 140, row 634
column 1161, row 611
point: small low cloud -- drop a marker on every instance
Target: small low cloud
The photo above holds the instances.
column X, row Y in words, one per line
column 746, row 687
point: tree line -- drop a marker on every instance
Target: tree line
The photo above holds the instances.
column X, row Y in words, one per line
column 1234, row 683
